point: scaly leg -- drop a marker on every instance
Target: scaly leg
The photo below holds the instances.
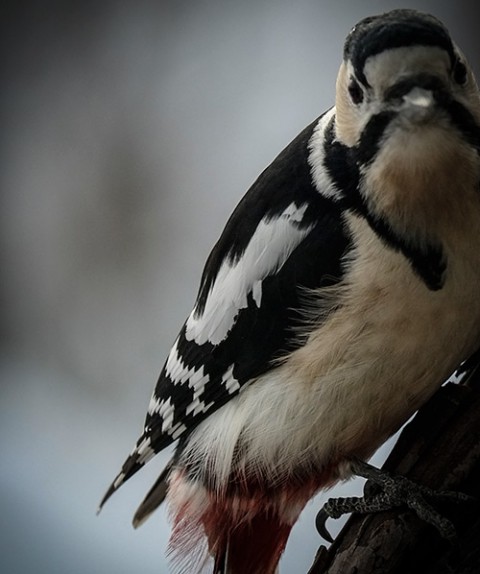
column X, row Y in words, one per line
column 396, row 491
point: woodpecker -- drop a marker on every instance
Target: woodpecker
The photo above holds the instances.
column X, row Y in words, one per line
column 343, row 289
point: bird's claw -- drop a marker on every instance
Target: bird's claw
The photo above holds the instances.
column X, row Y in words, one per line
column 388, row 492
column 320, row 523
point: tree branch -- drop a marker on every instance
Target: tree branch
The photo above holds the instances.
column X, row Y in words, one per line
column 440, row 448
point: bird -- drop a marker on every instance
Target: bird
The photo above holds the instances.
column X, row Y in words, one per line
column 341, row 293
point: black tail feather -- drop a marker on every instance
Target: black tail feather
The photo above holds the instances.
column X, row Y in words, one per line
column 153, row 499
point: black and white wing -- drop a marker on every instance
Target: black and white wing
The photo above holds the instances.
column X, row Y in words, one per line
column 286, row 236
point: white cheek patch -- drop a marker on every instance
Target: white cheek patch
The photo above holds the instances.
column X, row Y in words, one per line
column 270, row 246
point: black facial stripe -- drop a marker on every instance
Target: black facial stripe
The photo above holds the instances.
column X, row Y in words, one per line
column 373, row 133
column 371, row 137
column 342, row 164
column 429, row 263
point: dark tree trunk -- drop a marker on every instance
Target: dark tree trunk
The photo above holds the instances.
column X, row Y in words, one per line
column 440, row 448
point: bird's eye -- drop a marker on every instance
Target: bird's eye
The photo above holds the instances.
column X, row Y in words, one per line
column 460, row 72
column 355, row 92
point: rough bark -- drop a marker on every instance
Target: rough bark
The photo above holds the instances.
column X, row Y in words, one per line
column 440, row 448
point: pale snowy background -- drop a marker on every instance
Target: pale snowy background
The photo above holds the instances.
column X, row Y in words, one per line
column 131, row 130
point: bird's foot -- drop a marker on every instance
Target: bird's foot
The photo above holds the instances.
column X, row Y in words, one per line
column 391, row 492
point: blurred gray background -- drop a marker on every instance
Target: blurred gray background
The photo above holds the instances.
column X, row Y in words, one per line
column 130, row 131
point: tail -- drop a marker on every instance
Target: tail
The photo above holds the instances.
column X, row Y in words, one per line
column 155, row 496
column 141, row 454
column 242, row 534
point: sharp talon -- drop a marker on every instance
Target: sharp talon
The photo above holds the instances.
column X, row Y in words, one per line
column 320, row 523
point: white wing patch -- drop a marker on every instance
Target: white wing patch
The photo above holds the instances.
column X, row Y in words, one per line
column 270, row 246
column 323, row 182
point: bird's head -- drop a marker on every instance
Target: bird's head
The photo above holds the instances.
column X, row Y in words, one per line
column 408, row 107
column 401, row 71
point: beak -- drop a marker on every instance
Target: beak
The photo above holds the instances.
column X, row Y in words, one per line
column 419, row 98
column 416, row 97
column 418, row 105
